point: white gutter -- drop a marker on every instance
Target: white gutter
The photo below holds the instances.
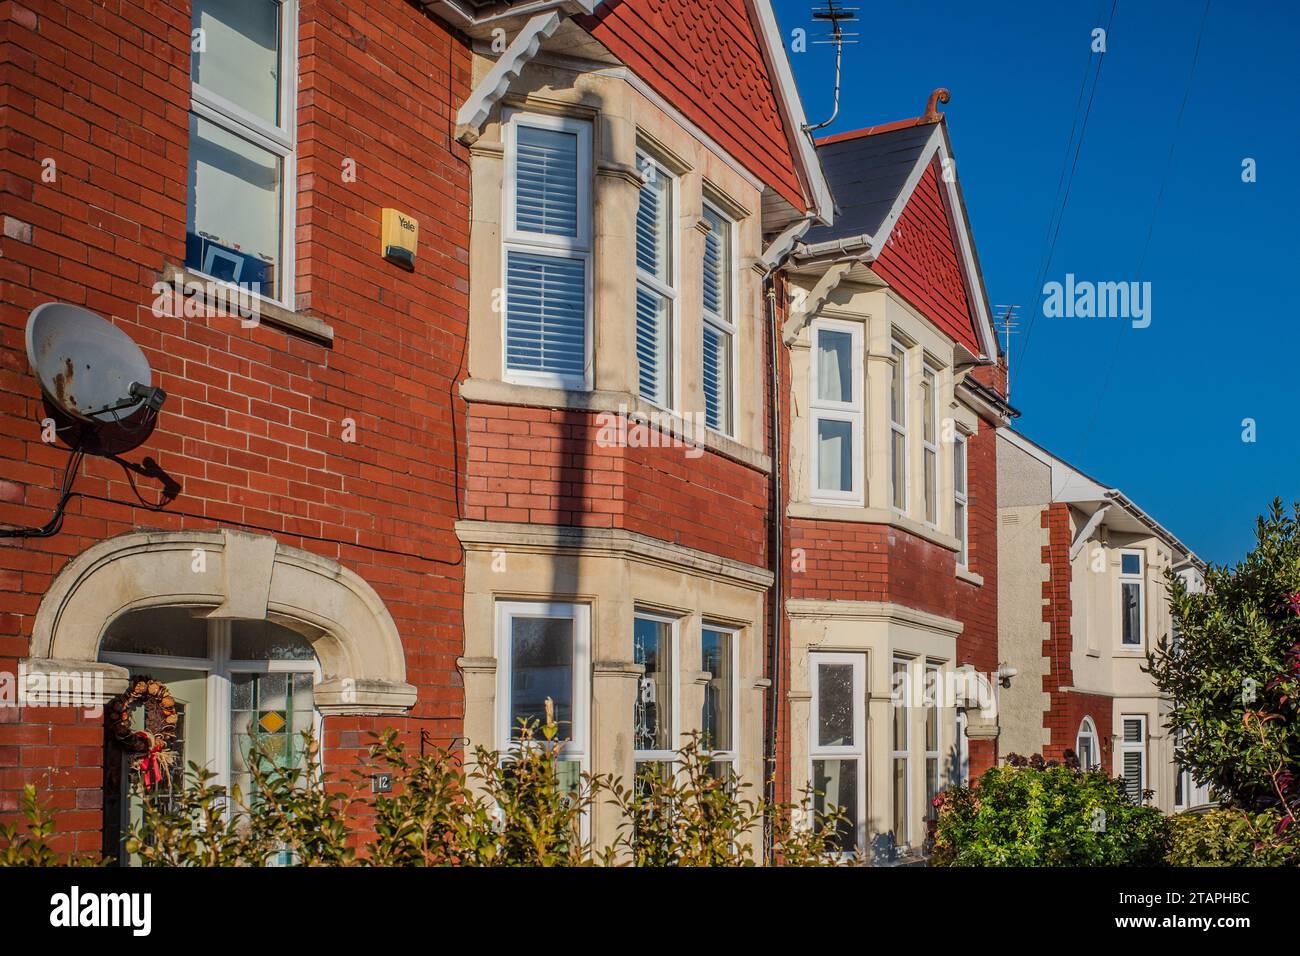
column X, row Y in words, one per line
column 781, row 246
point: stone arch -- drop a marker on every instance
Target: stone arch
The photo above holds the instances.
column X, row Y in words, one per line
column 228, row 574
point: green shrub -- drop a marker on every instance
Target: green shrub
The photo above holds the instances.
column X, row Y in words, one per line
column 29, row 845
column 1227, row 837
column 1033, row 814
column 516, row 809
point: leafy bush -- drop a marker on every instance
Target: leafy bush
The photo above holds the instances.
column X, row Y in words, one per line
column 1234, row 674
column 29, row 845
column 1226, row 837
column 517, row 809
column 1029, row 813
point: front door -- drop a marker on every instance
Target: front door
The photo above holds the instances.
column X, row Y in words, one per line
column 189, row 688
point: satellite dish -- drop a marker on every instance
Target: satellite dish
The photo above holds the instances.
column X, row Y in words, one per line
column 95, row 379
column 88, row 368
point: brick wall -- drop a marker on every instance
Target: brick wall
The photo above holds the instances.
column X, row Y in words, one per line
column 252, row 429
column 852, row 561
column 551, row 466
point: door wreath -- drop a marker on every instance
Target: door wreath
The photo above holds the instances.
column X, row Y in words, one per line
column 154, row 758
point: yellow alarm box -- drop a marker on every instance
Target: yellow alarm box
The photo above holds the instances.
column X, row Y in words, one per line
column 400, row 236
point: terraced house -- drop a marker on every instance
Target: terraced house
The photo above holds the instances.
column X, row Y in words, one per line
column 892, row 401
column 630, row 170
column 576, row 372
column 1083, row 600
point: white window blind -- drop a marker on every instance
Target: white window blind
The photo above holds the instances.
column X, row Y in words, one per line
column 655, row 291
column 546, row 181
column 547, row 251
column 1133, row 751
column 719, row 322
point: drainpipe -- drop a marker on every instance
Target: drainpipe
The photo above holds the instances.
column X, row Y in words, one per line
column 776, row 560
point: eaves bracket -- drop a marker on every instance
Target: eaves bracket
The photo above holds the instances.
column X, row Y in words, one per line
column 476, row 109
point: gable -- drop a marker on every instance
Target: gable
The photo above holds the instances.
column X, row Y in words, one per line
column 708, row 62
column 922, row 262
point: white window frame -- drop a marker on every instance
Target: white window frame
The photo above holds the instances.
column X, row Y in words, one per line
column 731, row 756
column 1087, row 730
column 672, row 361
column 725, row 324
column 858, row 750
column 280, row 140
column 961, row 497
column 542, row 244
column 930, row 447
column 851, row 412
column 674, row 731
column 933, row 700
column 1140, row 580
column 1139, row 747
column 577, row 744
column 900, row 352
column 904, row 754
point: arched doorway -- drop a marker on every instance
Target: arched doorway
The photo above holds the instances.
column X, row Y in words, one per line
column 240, row 627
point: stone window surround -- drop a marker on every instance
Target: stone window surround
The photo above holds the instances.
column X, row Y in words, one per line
column 244, row 576
column 879, row 631
column 618, row 574
column 623, row 121
column 885, row 318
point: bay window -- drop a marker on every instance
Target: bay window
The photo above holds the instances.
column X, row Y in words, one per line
column 544, row 653
column 1132, row 632
column 719, row 344
column 836, row 411
column 241, row 200
column 656, row 295
column 547, row 251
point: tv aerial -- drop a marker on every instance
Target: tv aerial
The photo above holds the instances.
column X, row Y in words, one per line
column 834, row 16
column 96, row 381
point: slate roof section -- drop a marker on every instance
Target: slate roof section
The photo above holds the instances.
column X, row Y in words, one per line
column 866, row 174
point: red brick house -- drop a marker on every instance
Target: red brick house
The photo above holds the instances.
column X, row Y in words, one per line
column 645, row 425
column 891, row 401
column 281, row 549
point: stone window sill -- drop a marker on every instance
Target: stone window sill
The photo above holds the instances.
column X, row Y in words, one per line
column 885, row 516
column 271, row 313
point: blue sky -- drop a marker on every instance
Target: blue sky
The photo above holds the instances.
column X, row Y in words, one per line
column 1155, row 411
